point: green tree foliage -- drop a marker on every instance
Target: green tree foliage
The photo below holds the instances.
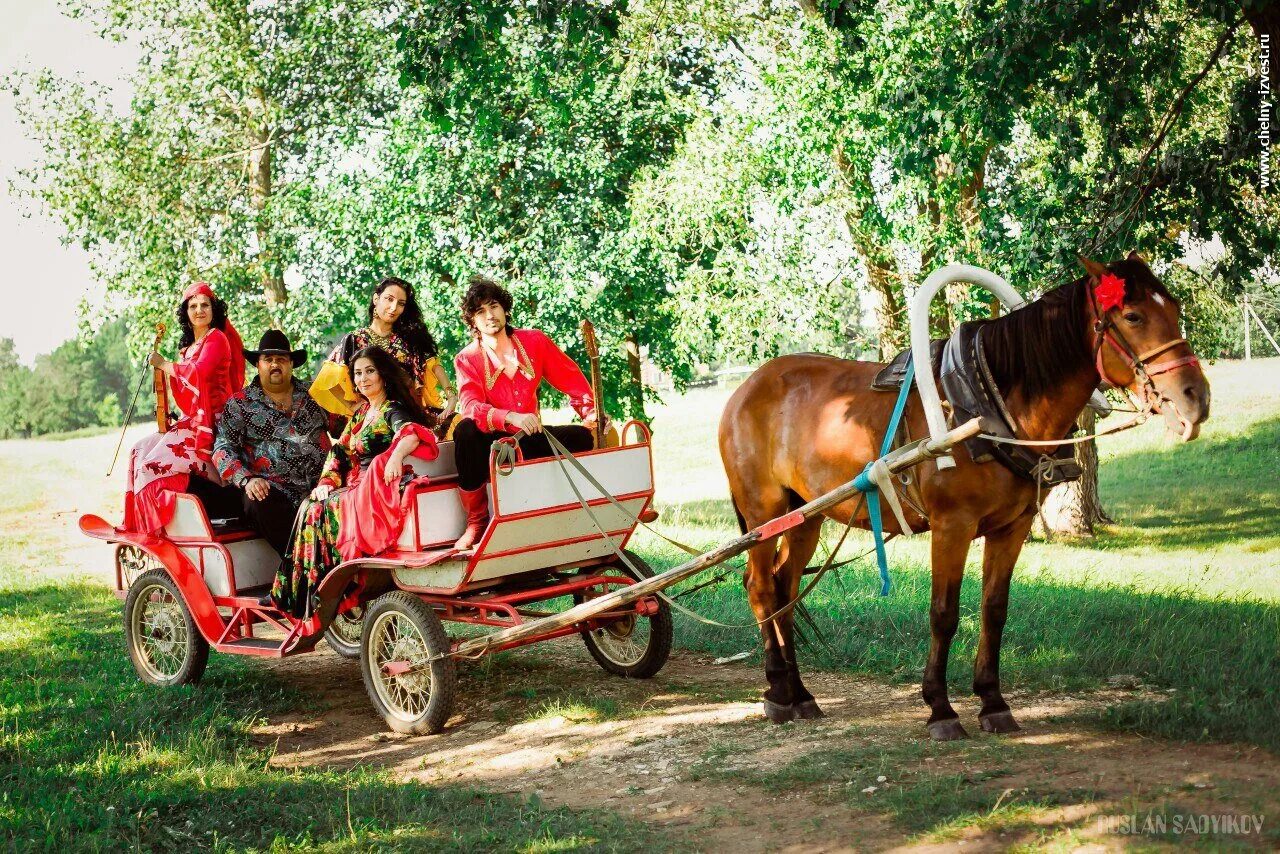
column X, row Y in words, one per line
column 1009, row 135
column 237, row 108
column 709, row 180
column 513, row 153
column 83, row 383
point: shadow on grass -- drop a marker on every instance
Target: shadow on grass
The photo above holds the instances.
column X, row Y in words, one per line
column 1198, row 495
column 90, row 756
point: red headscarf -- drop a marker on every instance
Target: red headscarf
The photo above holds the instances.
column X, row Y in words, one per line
column 233, row 337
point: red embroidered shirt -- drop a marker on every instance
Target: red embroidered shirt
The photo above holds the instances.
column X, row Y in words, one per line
column 487, row 395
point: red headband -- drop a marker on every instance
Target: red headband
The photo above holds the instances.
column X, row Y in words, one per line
column 199, row 288
column 1109, row 292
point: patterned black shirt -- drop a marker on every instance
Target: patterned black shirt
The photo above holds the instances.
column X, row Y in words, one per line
column 254, row 439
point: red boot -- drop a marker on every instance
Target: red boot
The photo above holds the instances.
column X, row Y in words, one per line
column 476, row 503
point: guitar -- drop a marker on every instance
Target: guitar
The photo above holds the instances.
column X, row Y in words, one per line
column 162, row 400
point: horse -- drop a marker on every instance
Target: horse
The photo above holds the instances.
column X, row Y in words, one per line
column 804, row 424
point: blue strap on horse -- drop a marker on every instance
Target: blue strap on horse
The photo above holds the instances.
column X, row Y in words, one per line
column 866, row 486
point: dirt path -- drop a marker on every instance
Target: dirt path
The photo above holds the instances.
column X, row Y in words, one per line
column 689, row 751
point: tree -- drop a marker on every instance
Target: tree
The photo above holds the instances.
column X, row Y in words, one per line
column 513, row 152
column 1011, row 136
column 237, row 108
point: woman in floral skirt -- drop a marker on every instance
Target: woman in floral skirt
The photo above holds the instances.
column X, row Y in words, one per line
column 355, row 509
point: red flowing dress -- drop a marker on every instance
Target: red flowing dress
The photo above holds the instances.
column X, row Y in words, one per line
column 206, row 374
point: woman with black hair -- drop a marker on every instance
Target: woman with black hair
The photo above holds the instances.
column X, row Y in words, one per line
column 395, row 325
column 208, row 370
column 356, row 510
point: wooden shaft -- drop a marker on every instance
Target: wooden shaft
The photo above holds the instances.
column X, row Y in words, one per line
column 897, row 461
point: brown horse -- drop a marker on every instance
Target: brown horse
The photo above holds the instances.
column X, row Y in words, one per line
column 802, row 425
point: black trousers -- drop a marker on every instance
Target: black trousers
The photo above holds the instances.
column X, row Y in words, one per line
column 471, row 448
column 272, row 517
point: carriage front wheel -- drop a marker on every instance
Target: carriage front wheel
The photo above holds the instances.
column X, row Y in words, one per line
column 409, row 685
column 164, row 644
column 634, row 646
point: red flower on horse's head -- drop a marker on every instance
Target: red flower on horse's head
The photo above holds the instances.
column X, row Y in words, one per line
column 1109, row 292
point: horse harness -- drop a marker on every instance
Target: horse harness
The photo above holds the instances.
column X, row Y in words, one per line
column 971, row 392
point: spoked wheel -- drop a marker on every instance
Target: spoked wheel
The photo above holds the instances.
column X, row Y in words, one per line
column 164, row 644
column 635, row 647
column 413, row 692
column 343, row 634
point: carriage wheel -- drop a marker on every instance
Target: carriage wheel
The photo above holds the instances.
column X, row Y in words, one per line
column 413, row 692
column 133, row 561
column 343, row 634
column 164, row 644
column 634, row 647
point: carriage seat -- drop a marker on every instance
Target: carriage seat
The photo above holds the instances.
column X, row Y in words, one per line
column 191, row 522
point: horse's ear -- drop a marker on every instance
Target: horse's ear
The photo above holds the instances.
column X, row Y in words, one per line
column 1093, row 268
column 1134, row 256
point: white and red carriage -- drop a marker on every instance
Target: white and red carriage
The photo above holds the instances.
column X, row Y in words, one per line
column 197, row 586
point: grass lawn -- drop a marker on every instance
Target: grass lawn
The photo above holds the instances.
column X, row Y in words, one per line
column 1182, row 594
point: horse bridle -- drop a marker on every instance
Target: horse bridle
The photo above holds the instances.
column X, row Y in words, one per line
column 1107, row 332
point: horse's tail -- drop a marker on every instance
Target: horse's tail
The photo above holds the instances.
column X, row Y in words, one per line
column 742, row 523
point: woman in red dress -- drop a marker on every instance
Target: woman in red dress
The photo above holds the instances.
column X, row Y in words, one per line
column 209, row 369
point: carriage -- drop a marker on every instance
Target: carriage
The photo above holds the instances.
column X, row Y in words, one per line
column 557, row 535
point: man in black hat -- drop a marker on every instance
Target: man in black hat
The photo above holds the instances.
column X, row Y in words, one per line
column 271, row 440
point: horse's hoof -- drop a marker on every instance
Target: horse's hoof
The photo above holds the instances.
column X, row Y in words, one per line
column 809, row 710
column 779, row 713
column 998, row 722
column 948, row 730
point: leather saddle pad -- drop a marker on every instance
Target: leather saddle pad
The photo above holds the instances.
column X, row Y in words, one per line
column 891, row 375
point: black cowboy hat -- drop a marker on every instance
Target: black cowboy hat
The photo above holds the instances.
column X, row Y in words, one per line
column 275, row 343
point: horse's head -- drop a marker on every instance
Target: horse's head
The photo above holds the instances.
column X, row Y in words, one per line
column 1137, row 335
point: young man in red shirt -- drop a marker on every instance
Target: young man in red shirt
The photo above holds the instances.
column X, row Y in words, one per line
column 498, row 377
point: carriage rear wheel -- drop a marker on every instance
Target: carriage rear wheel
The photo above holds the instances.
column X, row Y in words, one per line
column 635, row 646
column 164, row 644
column 343, row 634
column 411, row 688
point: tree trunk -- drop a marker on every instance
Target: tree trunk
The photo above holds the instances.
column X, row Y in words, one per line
column 1264, row 17
column 260, row 161
column 1072, row 509
column 635, row 390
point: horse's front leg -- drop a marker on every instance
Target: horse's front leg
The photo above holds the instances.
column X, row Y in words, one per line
column 951, row 537
column 998, row 559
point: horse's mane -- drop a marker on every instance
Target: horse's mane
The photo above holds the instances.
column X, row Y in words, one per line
column 1035, row 348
